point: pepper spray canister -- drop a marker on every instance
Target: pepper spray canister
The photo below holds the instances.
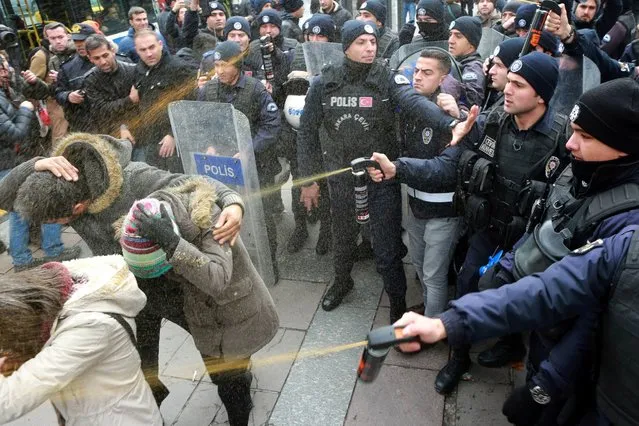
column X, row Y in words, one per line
column 358, row 167
column 380, row 340
column 267, row 57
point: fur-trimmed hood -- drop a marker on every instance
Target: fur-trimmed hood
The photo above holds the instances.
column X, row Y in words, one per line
column 193, row 204
column 101, row 159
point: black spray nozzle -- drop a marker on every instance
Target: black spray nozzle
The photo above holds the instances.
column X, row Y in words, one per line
column 359, row 165
column 380, row 340
column 388, row 336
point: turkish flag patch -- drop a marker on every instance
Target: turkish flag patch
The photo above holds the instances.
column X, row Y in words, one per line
column 366, row 102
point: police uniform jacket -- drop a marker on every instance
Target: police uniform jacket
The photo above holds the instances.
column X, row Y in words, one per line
column 388, row 43
column 473, row 79
column 291, row 27
column 250, row 97
column 428, row 168
column 108, row 95
column 349, row 113
column 254, row 65
column 70, row 78
column 600, row 275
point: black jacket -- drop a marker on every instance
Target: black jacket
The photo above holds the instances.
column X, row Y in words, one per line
column 16, row 124
column 70, row 78
column 170, row 80
column 108, row 95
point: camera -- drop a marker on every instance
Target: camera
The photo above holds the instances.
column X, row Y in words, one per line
column 8, row 37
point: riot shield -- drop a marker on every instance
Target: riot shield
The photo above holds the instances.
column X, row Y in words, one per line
column 207, row 136
column 576, row 75
column 489, row 40
column 404, row 59
column 317, row 55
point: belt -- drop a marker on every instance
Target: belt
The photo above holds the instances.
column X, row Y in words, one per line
column 439, row 197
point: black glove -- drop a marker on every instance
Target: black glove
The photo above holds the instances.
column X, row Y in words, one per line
column 406, row 33
column 157, row 229
column 521, row 409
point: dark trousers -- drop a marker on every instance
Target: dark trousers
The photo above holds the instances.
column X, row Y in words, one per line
column 266, row 176
column 165, row 300
column 467, row 7
column 386, row 226
column 481, row 245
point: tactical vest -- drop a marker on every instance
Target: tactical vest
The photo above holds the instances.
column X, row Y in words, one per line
column 619, row 367
column 505, row 170
column 384, row 42
column 358, row 116
column 569, row 223
column 243, row 102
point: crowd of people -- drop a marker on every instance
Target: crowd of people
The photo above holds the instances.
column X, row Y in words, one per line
column 531, row 213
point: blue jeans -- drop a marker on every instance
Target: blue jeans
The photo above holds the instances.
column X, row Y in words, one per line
column 409, row 7
column 431, row 244
column 19, row 237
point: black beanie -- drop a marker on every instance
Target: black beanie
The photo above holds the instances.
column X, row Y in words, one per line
column 238, row 23
column 508, row 50
column 214, row 5
column 524, row 17
column 269, row 16
column 376, row 8
column 540, row 71
column 610, row 113
column 292, row 5
column 320, row 24
column 353, row 29
column 512, row 6
column 470, row 27
column 228, row 51
column 432, row 8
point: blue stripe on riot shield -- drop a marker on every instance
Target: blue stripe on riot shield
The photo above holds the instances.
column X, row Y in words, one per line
column 227, row 170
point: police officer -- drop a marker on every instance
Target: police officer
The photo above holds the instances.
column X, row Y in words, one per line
column 250, row 97
column 498, row 63
column 465, row 35
column 504, row 173
column 431, row 23
column 320, row 28
column 599, row 276
column 349, row 114
column 375, row 11
column 595, row 197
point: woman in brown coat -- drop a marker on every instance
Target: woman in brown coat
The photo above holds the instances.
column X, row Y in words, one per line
column 227, row 307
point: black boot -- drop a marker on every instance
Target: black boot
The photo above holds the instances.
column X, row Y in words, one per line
column 235, row 393
column 449, row 376
column 299, row 236
column 507, row 350
column 340, row 288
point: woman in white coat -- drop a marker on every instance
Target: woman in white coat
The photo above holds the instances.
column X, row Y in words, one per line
column 70, row 328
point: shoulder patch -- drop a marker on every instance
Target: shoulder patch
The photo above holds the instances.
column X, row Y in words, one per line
column 427, row 135
column 469, row 76
column 271, row 107
column 400, row 79
column 586, row 248
column 606, row 38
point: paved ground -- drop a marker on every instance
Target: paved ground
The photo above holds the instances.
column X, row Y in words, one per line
column 318, row 390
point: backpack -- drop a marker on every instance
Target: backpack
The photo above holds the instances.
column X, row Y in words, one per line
column 47, row 56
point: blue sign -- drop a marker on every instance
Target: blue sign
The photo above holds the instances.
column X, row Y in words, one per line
column 227, row 170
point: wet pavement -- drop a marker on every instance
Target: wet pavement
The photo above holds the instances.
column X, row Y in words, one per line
column 306, row 389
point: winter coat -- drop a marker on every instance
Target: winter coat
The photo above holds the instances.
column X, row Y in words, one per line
column 70, row 78
column 16, row 124
column 339, row 15
column 108, row 95
column 115, row 182
column 228, row 308
column 89, row 367
column 170, row 80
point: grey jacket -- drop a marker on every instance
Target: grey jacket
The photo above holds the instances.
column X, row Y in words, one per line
column 115, row 183
column 228, row 308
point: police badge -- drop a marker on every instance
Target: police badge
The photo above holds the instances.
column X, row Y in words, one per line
column 551, row 166
column 427, row 135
